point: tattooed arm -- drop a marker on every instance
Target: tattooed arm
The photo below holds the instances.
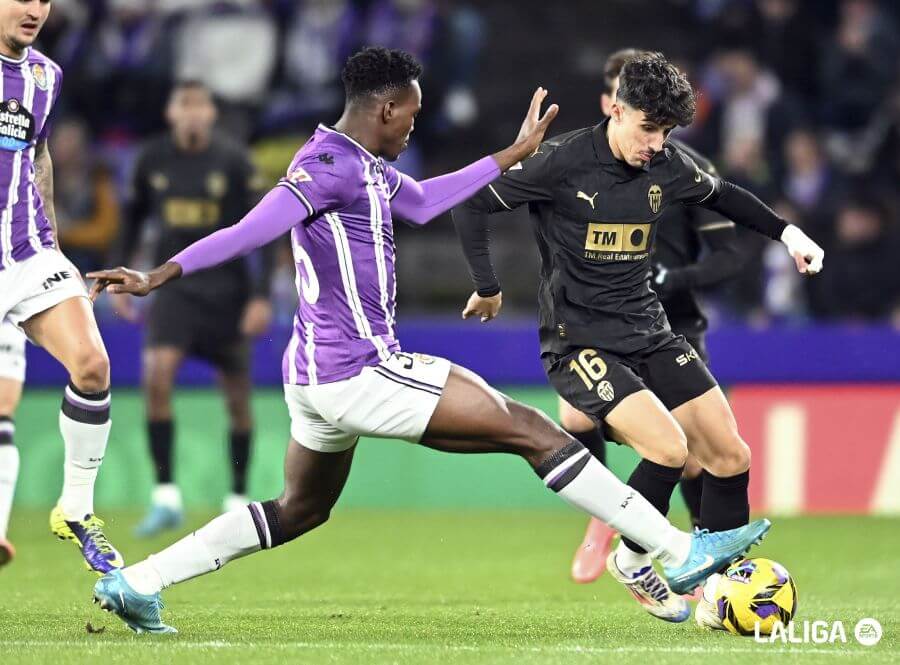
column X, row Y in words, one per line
column 43, row 180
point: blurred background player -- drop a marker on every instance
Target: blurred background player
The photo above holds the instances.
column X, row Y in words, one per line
column 12, row 376
column 193, row 182
column 42, row 292
column 684, row 233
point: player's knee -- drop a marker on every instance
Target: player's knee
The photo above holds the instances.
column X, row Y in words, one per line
column 91, row 370
column 239, row 415
column 692, row 468
column 535, row 436
column 670, row 450
column 730, row 460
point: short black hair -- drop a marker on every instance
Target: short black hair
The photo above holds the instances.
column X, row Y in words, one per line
column 654, row 85
column 377, row 70
column 613, row 66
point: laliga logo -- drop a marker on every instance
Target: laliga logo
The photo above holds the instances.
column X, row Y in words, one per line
column 867, row 632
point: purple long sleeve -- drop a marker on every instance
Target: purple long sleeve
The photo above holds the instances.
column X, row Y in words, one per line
column 276, row 214
column 420, row 202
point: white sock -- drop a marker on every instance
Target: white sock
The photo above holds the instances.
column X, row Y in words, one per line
column 595, row 490
column 630, row 562
column 227, row 537
column 168, row 495
column 709, row 587
column 84, row 423
column 9, row 472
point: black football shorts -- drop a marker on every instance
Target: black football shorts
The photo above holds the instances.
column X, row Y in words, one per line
column 595, row 381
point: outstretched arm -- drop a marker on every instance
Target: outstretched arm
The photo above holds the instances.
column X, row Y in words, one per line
column 697, row 187
column 742, row 207
column 420, row 202
column 276, row 214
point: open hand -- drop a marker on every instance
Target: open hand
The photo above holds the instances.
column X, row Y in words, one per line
column 530, row 134
column 534, row 126
column 485, row 307
column 119, row 280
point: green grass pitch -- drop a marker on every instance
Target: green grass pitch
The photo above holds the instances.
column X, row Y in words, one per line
column 401, row 586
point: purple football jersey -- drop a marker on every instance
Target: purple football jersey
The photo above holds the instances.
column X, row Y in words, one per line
column 344, row 254
column 28, row 88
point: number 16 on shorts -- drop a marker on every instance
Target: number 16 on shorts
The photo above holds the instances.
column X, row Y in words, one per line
column 591, row 369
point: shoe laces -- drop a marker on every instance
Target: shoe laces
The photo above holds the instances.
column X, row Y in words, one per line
column 654, row 585
column 712, row 537
column 93, row 527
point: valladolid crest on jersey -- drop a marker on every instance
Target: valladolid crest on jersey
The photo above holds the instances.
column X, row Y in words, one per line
column 654, row 196
column 40, row 75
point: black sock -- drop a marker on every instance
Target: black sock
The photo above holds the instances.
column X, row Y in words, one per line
column 725, row 504
column 692, row 491
column 7, row 431
column 268, row 526
column 239, row 445
column 656, row 483
column 592, row 440
column 160, row 434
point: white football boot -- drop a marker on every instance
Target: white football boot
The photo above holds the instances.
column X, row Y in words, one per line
column 707, row 615
column 651, row 591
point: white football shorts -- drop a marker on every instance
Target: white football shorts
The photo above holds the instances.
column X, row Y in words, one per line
column 36, row 284
column 392, row 400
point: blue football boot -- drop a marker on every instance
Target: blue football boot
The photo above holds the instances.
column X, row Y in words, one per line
column 711, row 551
column 99, row 555
column 139, row 611
column 159, row 519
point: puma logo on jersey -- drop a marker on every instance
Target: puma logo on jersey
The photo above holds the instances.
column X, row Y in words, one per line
column 589, row 199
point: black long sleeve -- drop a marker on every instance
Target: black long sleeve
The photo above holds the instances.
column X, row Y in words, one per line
column 472, row 222
column 742, row 207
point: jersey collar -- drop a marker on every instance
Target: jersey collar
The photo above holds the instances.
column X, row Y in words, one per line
column 14, row 61
column 601, row 144
column 605, row 155
column 332, row 130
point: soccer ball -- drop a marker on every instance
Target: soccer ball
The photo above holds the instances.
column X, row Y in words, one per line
column 755, row 591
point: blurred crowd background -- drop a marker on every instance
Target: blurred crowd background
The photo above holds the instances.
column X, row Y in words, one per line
column 798, row 101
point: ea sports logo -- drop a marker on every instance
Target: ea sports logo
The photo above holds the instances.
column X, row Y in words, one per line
column 868, row 632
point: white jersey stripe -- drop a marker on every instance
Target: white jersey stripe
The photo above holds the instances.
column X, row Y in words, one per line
column 293, row 345
column 3, row 220
column 33, row 239
column 348, row 276
column 377, row 224
column 12, row 197
column 311, row 354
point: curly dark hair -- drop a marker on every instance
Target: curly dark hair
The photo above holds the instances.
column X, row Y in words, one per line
column 652, row 84
column 614, row 63
column 376, row 70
